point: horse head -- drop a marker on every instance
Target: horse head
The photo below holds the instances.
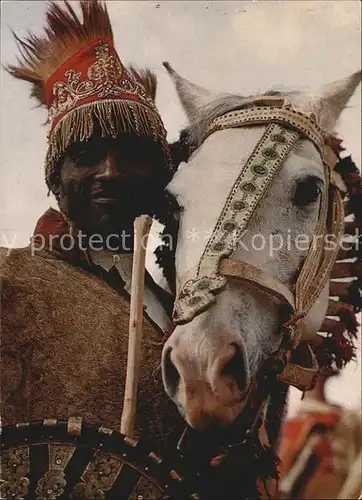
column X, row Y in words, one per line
column 260, row 219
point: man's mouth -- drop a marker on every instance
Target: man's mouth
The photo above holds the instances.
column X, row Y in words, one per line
column 106, row 200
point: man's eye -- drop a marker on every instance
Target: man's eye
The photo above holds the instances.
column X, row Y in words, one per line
column 88, row 156
column 308, row 191
column 77, row 156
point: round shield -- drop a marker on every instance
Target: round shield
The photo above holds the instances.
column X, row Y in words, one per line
column 71, row 459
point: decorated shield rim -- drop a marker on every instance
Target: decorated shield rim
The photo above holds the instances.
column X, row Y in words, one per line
column 168, row 474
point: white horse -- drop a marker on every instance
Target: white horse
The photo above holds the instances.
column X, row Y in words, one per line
column 215, row 354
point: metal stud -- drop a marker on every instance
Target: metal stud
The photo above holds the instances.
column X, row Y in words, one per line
column 175, row 475
column 279, row 138
column 229, row 226
column 131, row 441
column 49, row 422
column 239, row 205
column 270, row 153
column 74, row 426
column 260, row 170
column 194, row 300
column 219, row 246
column 203, row 285
column 155, row 458
column 105, row 430
column 249, row 187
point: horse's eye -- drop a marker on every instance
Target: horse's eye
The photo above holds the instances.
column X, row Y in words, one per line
column 308, row 191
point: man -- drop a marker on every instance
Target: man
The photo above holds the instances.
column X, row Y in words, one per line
column 65, row 298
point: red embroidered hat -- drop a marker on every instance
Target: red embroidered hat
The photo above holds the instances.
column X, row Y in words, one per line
column 77, row 74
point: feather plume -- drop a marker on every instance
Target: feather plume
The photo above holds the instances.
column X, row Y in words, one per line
column 147, row 78
column 65, row 34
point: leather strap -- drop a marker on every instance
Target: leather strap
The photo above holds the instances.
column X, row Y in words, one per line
column 303, row 123
column 253, row 181
column 301, row 373
column 248, row 273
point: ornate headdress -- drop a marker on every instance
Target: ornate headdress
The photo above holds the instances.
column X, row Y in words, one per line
column 77, row 74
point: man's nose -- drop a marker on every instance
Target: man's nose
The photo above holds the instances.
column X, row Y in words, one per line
column 109, row 169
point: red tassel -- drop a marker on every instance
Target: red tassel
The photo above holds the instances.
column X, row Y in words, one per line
column 347, row 270
column 351, row 322
column 354, row 178
column 336, row 350
column 353, row 227
column 338, row 289
column 332, row 326
column 344, row 350
column 343, row 254
column 335, row 308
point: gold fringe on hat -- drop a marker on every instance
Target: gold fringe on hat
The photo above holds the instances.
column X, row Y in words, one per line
column 114, row 117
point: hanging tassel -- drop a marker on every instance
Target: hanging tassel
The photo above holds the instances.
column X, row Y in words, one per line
column 336, row 350
column 347, row 270
column 352, row 178
column 354, row 295
column 353, row 228
column 332, row 326
column 338, row 289
column 335, row 308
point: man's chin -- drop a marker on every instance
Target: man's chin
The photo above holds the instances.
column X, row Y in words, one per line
column 115, row 234
column 104, row 226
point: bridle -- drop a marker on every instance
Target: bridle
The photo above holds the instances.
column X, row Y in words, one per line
column 197, row 289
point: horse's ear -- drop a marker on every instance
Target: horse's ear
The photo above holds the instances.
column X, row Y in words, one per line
column 331, row 99
column 192, row 97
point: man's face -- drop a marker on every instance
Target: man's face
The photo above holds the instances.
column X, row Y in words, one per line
column 106, row 183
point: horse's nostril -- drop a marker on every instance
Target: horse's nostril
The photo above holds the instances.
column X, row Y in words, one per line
column 171, row 374
column 235, row 368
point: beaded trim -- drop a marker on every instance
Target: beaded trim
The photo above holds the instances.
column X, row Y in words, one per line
column 297, row 120
column 255, row 177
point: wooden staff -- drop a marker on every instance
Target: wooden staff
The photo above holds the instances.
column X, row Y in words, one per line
column 142, row 227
